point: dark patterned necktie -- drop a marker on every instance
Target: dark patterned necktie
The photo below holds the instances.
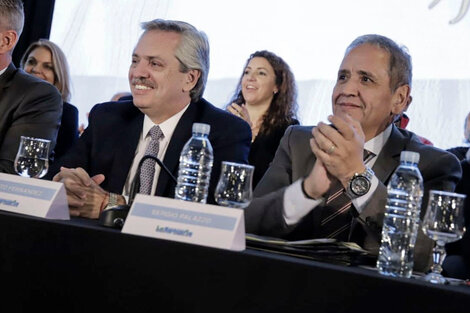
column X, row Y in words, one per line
column 335, row 216
column 147, row 171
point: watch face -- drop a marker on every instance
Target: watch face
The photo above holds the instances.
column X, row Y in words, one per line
column 360, row 185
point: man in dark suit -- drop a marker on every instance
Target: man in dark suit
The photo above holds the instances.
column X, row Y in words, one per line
column 28, row 106
column 295, row 197
column 167, row 77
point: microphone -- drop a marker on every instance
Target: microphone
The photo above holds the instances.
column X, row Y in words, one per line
column 135, row 186
column 115, row 217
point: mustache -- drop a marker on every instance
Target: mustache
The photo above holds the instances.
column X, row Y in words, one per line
column 142, row 81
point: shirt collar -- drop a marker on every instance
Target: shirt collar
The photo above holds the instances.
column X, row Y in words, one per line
column 376, row 144
column 3, row 71
column 167, row 127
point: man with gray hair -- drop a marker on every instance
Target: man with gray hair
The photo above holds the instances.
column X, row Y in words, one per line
column 28, row 105
column 330, row 180
column 167, row 76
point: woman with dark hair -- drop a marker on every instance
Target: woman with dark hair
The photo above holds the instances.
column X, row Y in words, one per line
column 45, row 60
column 265, row 98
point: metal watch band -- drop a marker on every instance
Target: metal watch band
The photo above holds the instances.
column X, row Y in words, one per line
column 113, row 200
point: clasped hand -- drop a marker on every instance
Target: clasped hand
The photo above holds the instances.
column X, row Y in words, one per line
column 84, row 195
column 338, row 151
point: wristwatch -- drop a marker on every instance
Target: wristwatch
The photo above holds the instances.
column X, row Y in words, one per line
column 360, row 183
column 113, row 201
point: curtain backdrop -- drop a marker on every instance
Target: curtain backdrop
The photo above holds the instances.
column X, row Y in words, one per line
column 98, row 37
column 37, row 25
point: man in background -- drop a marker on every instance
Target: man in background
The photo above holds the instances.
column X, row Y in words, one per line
column 28, row 105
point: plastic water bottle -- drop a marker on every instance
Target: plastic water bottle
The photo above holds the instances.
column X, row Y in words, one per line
column 195, row 166
column 401, row 221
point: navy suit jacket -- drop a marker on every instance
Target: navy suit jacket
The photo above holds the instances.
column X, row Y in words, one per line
column 108, row 144
column 29, row 107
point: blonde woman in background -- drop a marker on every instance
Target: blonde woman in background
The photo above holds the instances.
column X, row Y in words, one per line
column 45, row 60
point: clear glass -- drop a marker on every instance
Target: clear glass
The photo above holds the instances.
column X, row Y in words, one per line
column 443, row 223
column 32, row 159
column 234, row 187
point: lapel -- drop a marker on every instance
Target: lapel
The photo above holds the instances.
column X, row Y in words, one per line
column 182, row 133
column 125, row 151
column 389, row 157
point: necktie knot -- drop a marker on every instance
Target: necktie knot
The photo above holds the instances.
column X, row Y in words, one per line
column 156, row 133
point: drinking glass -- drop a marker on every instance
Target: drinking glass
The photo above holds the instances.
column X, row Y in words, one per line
column 443, row 223
column 234, row 187
column 32, row 159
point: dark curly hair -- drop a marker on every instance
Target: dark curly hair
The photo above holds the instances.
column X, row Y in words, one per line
column 283, row 108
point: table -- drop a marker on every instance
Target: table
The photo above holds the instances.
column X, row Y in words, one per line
column 79, row 266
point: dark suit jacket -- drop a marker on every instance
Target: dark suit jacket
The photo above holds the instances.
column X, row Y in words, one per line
column 29, row 107
column 294, row 160
column 461, row 248
column 460, row 152
column 68, row 131
column 108, row 144
column 263, row 149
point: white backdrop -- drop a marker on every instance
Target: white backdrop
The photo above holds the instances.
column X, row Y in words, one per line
column 98, row 37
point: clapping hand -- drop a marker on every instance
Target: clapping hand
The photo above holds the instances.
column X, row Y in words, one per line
column 240, row 111
column 339, row 153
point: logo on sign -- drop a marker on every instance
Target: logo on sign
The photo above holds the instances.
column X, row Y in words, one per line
column 174, row 231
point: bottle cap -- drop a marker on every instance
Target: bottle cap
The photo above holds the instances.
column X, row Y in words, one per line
column 201, row 128
column 409, row 157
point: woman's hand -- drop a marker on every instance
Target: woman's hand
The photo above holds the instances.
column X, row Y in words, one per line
column 241, row 112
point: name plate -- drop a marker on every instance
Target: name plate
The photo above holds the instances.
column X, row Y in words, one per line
column 190, row 222
column 33, row 197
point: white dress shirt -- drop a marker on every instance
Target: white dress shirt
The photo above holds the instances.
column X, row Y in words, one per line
column 297, row 205
column 168, row 128
column 3, row 71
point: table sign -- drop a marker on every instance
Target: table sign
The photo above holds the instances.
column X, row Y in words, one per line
column 35, row 197
column 190, row 222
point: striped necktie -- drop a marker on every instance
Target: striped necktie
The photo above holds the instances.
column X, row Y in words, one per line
column 335, row 216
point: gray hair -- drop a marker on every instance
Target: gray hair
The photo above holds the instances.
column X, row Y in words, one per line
column 59, row 65
column 192, row 52
column 400, row 68
column 12, row 15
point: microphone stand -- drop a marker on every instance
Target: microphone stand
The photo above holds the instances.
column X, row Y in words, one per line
column 115, row 217
column 135, row 186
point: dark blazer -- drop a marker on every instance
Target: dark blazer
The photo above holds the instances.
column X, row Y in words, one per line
column 263, row 149
column 294, row 160
column 459, row 152
column 108, row 144
column 68, row 130
column 29, row 107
